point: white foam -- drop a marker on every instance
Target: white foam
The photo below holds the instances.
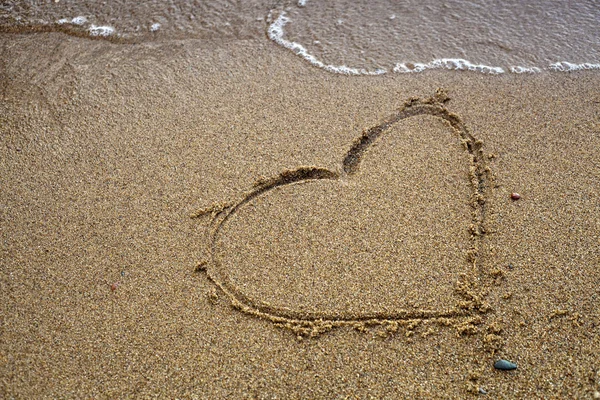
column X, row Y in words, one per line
column 79, row 20
column 75, row 21
column 525, row 70
column 101, row 30
column 448, row 63
column 155, row 27
column 276, row 34
column 564, row 66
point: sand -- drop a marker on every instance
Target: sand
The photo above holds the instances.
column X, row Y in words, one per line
column 404, row 277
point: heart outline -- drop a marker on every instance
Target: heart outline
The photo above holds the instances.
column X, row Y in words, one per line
column 480, row 177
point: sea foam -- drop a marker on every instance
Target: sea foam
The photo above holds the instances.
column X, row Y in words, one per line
column 93, row 30
column 101, row 30
column 525, row 70
column 564, row 66
column 75, row 21
column 448, row 63
column 276, row 34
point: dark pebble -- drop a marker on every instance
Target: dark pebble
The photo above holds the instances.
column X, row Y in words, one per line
column 515, row 196
column 122, row 273
column 505, row 365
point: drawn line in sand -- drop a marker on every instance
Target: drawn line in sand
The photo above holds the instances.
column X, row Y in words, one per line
column 470, row 304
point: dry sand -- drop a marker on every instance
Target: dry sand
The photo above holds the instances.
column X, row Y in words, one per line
column 406, row 277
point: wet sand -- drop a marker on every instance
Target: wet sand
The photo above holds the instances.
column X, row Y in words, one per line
column 405, row 278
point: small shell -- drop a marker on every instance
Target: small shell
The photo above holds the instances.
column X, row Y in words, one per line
column 505, row 365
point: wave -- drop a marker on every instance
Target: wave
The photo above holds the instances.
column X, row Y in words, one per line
column 276, row 33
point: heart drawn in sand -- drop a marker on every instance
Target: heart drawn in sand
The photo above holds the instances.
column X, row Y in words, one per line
column 374, row 242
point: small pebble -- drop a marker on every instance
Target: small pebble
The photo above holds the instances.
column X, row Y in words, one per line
column 482, row 391
column 505, row 365
column 113, row 287
column 122, row 273
column 515, row 196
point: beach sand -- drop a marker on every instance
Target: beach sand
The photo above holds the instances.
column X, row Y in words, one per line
column 392, row 281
